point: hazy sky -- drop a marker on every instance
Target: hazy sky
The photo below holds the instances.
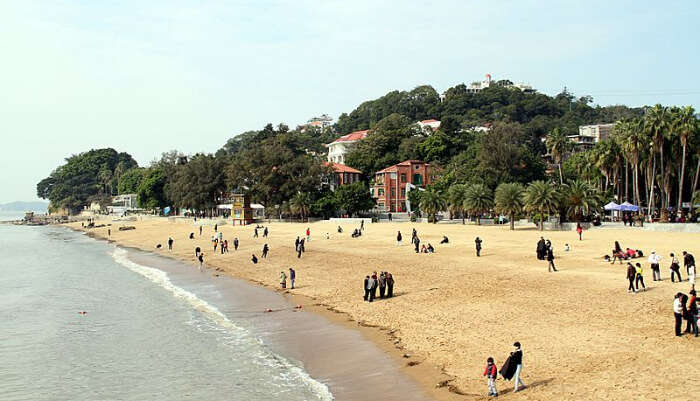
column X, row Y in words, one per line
column 149, row 76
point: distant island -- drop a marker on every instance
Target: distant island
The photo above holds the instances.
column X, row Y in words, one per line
column 36, row 206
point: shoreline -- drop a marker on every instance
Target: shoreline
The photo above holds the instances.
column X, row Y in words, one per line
column 434, row 382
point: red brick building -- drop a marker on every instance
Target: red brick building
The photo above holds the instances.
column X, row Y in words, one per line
column 343, row 175
column 390, row 184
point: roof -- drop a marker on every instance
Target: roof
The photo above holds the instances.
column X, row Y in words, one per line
column 341, row 168
column 403, row 163
column 430, row 121
column 352, row 137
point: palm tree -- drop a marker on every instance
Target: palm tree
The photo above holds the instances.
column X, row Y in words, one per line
column 558, row 144
column 509, row 200
column 478, row 199
column 687, row 125
column 432, row 202
column 580, row 198
column 300, row 203
column 656, row 122
column 455, row 199
column 542, row 198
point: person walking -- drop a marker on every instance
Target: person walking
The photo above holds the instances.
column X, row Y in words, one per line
column 382, row 284
column 678, row 313
column 222, row 247
column 390, row 216
column 631, row 275
column 550, row 260
column 235, row 244
column 201, row 261
column 265, row 232
column 654, row 260
column 298, row 249
column 283, row 279
column 398, row 238
column 308, row 234
column 265, row 249
column 216, row 227
column 491, row 373
column 675, row 268
column 200, row 230
column 362, row 225
column 639, row 278
column 170, row 243
column 478, row 242
column 292, row 277
column 255, row 233
column 579, row 230
column 517, row 359
column 414, row 235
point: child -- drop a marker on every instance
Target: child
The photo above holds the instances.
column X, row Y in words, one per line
column 490, row 372
column 566, row 248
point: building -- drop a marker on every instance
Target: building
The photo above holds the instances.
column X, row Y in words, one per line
column 343, row 175
column 432, row 124
column 478, row 86
column 390, row 184
column 341, row 146
column 589, row 135
column 321, row 122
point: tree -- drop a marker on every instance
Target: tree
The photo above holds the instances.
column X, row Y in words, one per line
column 300, row 204
column 509, row 200
column 129, row 181
column 580, row 199
column 478, row 199
column 558, row 145
column 541, row 198
column 198, row 183
column 455, row 199
column 687, row 124
column 151, row 190
column 432, row 202
column 354, row 198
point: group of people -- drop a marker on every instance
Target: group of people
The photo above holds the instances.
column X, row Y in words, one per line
column 384, row 282
column 512, row 369
column 545, row 251
column 686, row 308
column 292, row 277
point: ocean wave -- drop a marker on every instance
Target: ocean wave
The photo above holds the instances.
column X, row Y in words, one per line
column 161, row 278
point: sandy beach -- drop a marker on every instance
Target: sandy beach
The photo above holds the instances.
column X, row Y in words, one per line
column 584, row 337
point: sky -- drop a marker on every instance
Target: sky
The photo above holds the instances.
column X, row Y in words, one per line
column 150, row 76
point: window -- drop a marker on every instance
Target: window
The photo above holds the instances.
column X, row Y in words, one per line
column 403, row 206
column 403, row 177
column 416, row 166
column 403, row 192
column 393, row 192
column 380, row 192
column 417, row 179
column 392, row 176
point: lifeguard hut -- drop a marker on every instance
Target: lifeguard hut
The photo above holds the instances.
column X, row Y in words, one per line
column 241, row 212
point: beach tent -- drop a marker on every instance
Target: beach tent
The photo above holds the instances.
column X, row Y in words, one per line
column 612, row 206
column 628, row 207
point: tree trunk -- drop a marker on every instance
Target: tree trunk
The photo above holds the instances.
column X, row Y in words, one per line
column 651, row 189
column 541, row 222
column 680, row 180
column 695, row 181
column 627, row 181
column 561, row 177
column 478, row 219
column 512, row 222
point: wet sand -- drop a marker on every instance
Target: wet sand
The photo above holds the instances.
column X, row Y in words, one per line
column 584, row 337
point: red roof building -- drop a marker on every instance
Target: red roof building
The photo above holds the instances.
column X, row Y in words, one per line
column 390, row 184
column 344, row 175
column 340, row 147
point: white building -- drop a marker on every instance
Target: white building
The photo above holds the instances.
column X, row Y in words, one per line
column 589, row 135
column 341, row 146
column 432, row 124
column 476, row 87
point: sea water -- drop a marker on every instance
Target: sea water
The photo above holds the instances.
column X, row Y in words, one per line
column 142, row 337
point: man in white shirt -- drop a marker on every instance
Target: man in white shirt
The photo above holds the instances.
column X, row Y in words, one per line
column 678, row 313
column 654, row 260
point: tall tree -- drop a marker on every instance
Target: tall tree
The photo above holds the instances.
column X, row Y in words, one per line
column 509, row 200
column 478, row 199
column 580, row 199
column 431, row 202
column 558, row 145
column 455, row 199
column 541, row 198
column 687, row 124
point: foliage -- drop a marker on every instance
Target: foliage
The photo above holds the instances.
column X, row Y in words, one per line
column 130, row 180
column 300, row 204
column 198, row 183
column 455, row 199
column 541, row 198
column 151, row 190
column 478, row 199
column 432, row 202
column 83, row 177
column 509, row 200
column 354, row 198
column 580, row 199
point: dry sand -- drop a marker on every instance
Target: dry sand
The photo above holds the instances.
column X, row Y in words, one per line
column 584, row 337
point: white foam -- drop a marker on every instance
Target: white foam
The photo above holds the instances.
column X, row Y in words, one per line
column 160, row 277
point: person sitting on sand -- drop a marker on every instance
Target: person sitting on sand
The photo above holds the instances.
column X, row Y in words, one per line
column 283, row 279
column 606, row 258
column 640, row 254
column 430, row 248
column 631, row 253
column 158, row 246
column 328, row 236
column 445, row 240
column 340, row 229
column 566, row 248
column 423, row 249
column 254, row 259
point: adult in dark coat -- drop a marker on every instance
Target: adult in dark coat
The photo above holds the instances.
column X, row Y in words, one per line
column 541, row 249
column 364, row 287
column 478, row 241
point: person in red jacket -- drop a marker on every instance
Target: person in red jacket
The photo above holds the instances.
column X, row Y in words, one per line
column 491, row 373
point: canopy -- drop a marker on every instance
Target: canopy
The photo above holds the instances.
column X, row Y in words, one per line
column 612, row 206
column 628, row 207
